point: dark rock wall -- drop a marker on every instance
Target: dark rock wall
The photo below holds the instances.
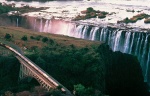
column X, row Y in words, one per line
column 123, row 74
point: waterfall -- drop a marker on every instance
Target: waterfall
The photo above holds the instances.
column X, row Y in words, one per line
column 138, row 43
column 85, row 32
column 68, row 29
column 141, row 46
column 145, row 56
column 101, row 35
column 46, row 26
column 127, row 42
column 130, row 50
column 78, row 31
column 147, row 66
column 41, row 25
column 124, row 40
column 17, row 22
column 49, row 26
column 93, row 35
column 135, row 43
column 34, row 24
column 117, row 41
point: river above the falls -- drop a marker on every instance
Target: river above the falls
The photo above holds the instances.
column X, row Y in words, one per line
column 119, row 10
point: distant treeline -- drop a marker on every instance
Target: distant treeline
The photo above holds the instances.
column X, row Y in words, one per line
column 5, row 8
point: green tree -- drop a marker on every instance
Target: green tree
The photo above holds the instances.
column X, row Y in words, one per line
column 79, row 89
column 32, row 37
column 41, row 62
column 5, row 8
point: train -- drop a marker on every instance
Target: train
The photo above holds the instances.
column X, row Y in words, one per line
column 33, row 65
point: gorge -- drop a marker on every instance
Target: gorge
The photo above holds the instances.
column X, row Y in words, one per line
column 126, row 40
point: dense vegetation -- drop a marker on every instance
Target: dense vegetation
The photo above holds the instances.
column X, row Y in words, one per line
column 91, row 13
column 135, row 18
column 91, row 69
column 5, row 8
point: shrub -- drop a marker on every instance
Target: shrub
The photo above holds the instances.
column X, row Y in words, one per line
column 24, row 38
column 45, row 39
column 7, row 36
column 51, row 41
column 31, row 37
column 90, row 9
column 136, row 18
column 79, row 89
column 38, row 37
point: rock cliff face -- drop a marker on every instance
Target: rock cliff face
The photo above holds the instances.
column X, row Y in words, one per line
column 13, row 20
column 123, row 74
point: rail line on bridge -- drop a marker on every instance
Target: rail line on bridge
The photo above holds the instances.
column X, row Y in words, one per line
column 28, row 68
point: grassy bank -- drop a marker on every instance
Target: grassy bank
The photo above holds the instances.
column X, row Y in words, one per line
column 17, row 33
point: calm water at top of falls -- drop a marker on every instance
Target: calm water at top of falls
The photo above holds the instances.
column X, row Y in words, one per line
column 73, row 8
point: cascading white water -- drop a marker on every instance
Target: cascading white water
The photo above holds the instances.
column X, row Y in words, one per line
column 137, row 46
column 17, row 22
column 141, row 47
column 41, row 25
column 127, row 42
column 117, row 41
column 94, row 33
column 101, row 34
column 46, row 26
column 78, row 31
column 84, row 32
column 34, row 24
column 136, row 43
column 112, row 39
column 147, row 67
column 133, row 36
column 145, row 55
column 91, row 33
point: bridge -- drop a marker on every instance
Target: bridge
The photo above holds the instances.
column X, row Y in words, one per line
column 28, row 68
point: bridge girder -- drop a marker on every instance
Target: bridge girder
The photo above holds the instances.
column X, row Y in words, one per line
column 28, row 68
column 25, row 71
